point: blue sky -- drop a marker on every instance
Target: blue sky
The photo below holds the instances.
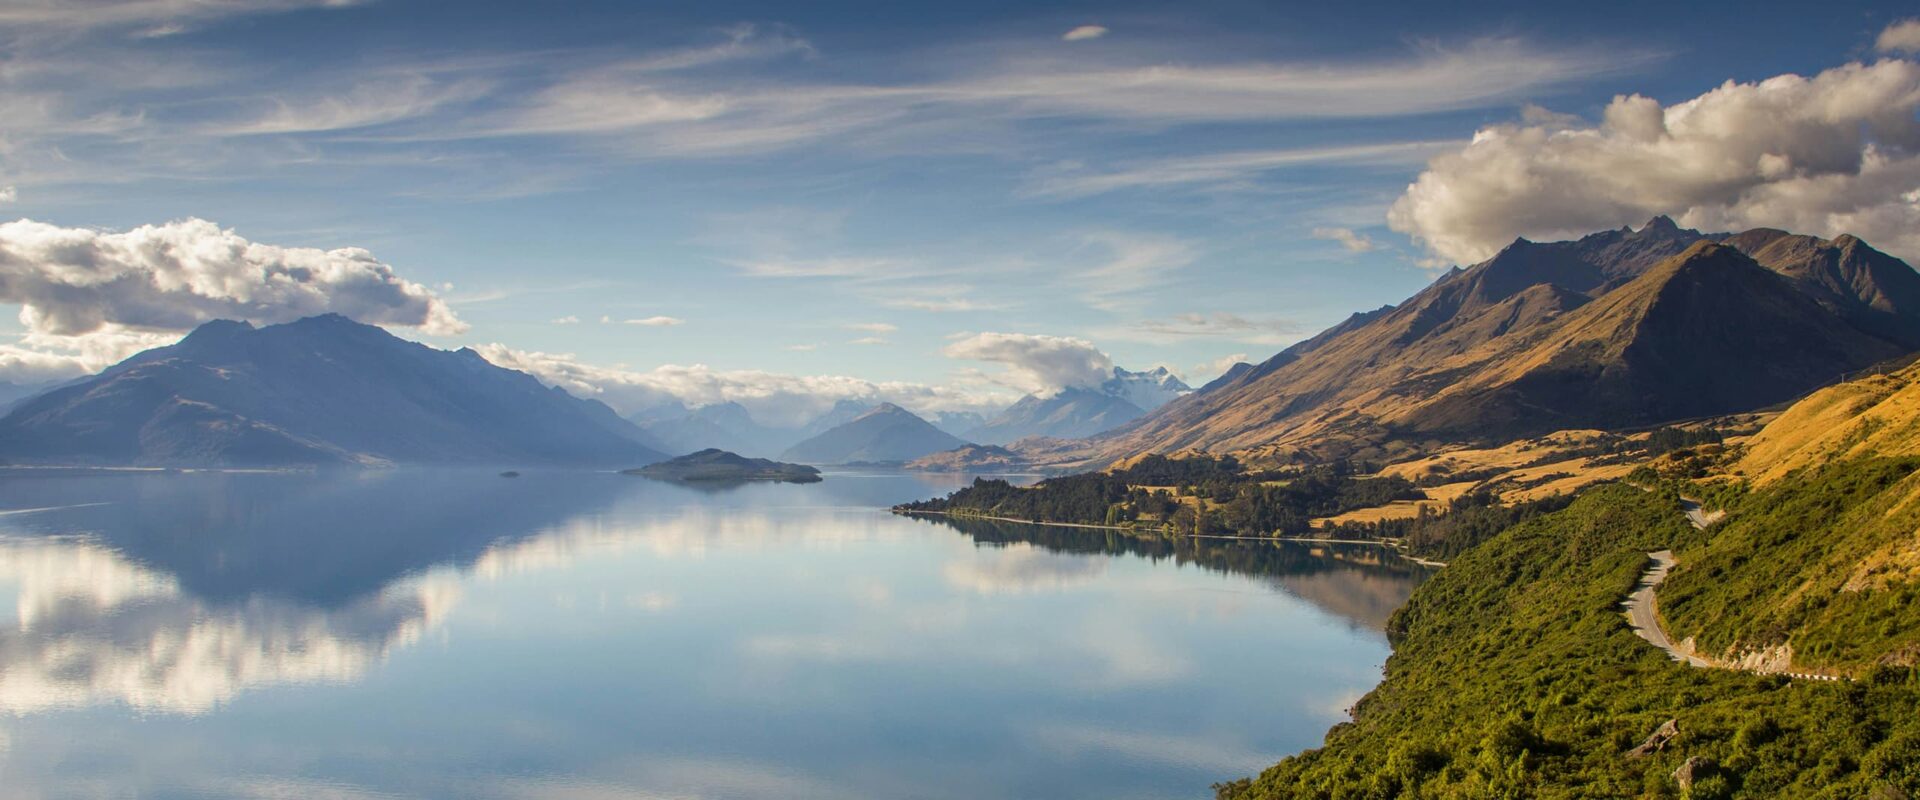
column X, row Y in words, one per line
column 850, row 189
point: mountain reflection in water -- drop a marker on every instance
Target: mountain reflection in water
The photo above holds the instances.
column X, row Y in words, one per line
column 1361, row 583
column 457, row 634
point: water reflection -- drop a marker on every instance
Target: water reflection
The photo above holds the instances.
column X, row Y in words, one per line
column 1360, row 583
column 455, row 634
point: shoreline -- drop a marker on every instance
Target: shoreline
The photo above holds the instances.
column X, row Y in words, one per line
column 1390, row 544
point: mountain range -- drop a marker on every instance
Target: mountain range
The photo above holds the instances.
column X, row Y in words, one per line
column 885, row 434
column 1079, row 411
column 320, row 390
column 1617, row 329
column 730, row 426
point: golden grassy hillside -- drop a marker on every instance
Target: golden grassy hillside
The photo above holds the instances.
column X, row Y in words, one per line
column 1876, row 415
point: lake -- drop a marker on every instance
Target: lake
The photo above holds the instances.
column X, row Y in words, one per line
column 454, row 633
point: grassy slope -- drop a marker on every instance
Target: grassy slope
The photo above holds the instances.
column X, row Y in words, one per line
column 1515, row 675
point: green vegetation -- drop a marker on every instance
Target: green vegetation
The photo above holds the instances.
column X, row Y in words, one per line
column 1469, row 520
column 1515, row 675
column 1201, row 495
column 1815, row 562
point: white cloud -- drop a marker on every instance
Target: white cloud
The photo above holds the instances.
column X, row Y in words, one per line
column 89, row 298
column 42, row 358
column 870, row 340
column 801, row 348
column 1900, row 37
column 655, row 322
column 1354, row 242
column 1084, row 33
column 1036, row 363
column 1838, row 152
column 9, row 194
column 772, row 398
column 172, row 277
column 567, row 320
column 872, row 327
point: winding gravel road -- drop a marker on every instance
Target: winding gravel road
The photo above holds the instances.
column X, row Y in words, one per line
column 1643, row 609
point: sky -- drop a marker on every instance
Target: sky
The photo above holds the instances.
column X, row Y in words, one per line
column 942, row 205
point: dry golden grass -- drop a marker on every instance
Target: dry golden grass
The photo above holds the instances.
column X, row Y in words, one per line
column 1877, row 415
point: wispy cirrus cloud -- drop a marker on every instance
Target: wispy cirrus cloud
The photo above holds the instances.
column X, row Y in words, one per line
column 1215, row 325
column 1084, row 33
column 1348, row 238
column 660, row 115
column 151, row 17
column 1220, row 169
column 1130, row 264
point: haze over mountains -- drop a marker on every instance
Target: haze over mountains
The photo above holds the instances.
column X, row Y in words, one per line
column 1077, row 411
column 885, row 434
column 1617, row 329
column 321, row 390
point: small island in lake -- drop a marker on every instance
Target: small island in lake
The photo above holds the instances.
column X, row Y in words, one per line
column 716, row 465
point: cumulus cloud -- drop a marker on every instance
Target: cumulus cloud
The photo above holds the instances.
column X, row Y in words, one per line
column 567, row 320
column 1036, row 363
column 1347, row 237
column 1900, row 37
column 88, row 298
column 1838, row 152
column 43, row 358
column 772, row 398
column 1084, row 33
column 870, row 340
column 872, row 327
column 172, row 277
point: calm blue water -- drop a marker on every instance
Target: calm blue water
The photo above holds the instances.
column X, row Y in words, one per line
column 585, row 635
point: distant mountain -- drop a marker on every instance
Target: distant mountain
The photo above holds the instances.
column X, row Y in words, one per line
column 970, row 457
column 1620, row 328
column 321, row 390
column 1071, row 413
column 1232, row 374
column 720, row 466
column 724, row 426
column 958, row 423
column 12, row 393
column 1078, row 412
column 843, row 412
column 1147, row 390
column 884, row 434
column 730, row 426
